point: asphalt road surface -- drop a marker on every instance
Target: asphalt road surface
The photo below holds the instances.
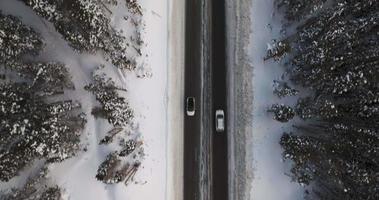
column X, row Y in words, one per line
column 218, row 68
column 192, row 89
column 199, row 73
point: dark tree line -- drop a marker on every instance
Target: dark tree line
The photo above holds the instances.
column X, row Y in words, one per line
column 335, row 55
column 30, row 126
column 86, row 26
column 36, row 188
column 17, row 39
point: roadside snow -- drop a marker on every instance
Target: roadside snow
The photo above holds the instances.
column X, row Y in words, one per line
column 270, row 179
column 240, row 98
column 175, row 99
column 148, row 96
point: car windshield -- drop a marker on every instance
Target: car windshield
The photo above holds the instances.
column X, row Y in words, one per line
column 219, row 117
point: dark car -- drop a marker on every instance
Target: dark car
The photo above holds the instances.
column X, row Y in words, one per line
column 190, row 106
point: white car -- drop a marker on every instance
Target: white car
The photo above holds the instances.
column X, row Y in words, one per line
column 190, row 106
column 220, row 121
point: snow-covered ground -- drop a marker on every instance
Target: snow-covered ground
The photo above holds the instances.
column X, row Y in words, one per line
column 240, row 98
column 147, row 96
column 270, row 180
column 175, row 99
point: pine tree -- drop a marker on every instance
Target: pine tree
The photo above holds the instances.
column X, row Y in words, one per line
column 46, row 78
column 282, row 113
column 17, row 39
column 86, row 26
column 113, row 170
column 31, row 128
column 35, row 188
column 297, row 9
column 335, row 56
column 282, row 89
column 114, row 107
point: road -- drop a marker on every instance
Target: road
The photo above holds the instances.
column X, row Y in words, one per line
column 219, row 141
column 192, row 85
column 205, row 151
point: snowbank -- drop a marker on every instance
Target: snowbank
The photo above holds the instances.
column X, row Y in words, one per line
column 270, row 179
column 240, row 98
column 148, row 96
column 175, row 99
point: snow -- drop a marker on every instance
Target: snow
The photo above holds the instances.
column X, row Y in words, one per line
column 175, row 99
column 240, row 98
column 270, row 180
column 148, row 97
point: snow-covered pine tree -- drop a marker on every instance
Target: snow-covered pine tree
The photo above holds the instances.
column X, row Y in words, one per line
column 134, row 6
column 31, row 128
column 17, row 39
column 45, row 78
column 35, row 188
column 113, row 107
column 282, row 89
column 335, row 56
column 108, row 168
column 341, row 163
column 113, row 170
column 298, row 9
column 282, row 113
column 86, row 26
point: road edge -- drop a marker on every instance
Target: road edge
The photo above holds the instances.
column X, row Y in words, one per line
column 240, row 98
column 175, row 99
